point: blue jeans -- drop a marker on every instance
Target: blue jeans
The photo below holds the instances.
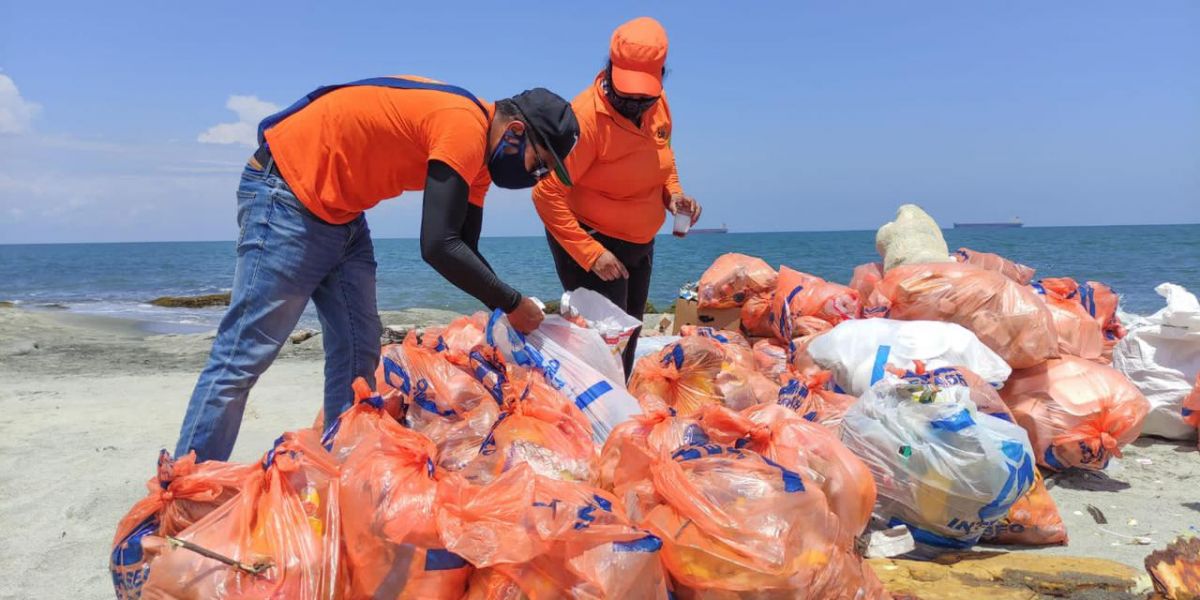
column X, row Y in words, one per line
column 285, row 256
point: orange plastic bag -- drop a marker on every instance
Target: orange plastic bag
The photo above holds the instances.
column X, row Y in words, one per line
column 1077, row 413
column 445, row 402
column 286, row 519
column 738, row 352
column 1007, row 317
column 757, row 318
column 865, row 278
column 802, row 295
column 808, row 395
column 771, row 359
column 1102, row 302
column 634, row 445
column 181, row 493
column 462, row 336
column 1191, row 406
column 734, row 523
column 683, row 374
column 1033, row 520
column 732, row 279
column 538, row 537
column 387, row 497
column 1078, row 333
column 994, row 262
column 537, row 426
column 799, row 445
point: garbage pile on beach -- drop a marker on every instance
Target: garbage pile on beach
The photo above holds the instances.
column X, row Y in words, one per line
column 755, row 461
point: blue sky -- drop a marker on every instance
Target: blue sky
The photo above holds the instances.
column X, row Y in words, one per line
column 788, row 116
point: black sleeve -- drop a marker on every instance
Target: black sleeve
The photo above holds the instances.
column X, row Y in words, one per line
column 443, row 225
column 472, row 227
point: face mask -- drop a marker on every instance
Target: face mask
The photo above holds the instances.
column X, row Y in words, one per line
column 630, row 108
column 508, row 170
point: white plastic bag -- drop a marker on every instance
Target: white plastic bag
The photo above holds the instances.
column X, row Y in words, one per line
column 858, row 351
column 566, row 354
column 942, row 469
column 614, row 325
column 1161, row 356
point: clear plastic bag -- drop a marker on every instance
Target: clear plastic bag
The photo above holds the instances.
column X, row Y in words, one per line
column 565, row 357
column 941, row 468
column 598, row 313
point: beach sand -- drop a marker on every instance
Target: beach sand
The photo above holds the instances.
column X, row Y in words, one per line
column 86, row 403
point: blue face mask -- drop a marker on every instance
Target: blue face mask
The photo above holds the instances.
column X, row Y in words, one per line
column 508, row 170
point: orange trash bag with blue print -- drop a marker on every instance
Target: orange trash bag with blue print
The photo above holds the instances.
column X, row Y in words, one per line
column 811, row 397
column 684, row 374
column 994, row 262
column 280, row 537
column 732, row 279
column 1078, row 413
column 800, row 295
column 865, row 278
column 538, row 537
column 771, row 359
column 1007, row 317
column 182, row 493
column 734, row 523
column 1078, row 333
column 756, row 316
column 442, row 400
column 630, row 452
column 387, row 496
column 800, row 445
column 540, row 427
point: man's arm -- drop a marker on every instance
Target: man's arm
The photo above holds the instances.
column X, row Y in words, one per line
column 444, row 221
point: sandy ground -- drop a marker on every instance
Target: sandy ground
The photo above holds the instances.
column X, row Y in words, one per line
column 86, row 403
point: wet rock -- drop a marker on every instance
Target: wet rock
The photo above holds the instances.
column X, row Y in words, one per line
column 7, row 304
column 395, row 334
column 1009, row 576
column 203, row 301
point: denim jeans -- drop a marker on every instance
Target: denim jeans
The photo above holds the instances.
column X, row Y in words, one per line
column 285, row 256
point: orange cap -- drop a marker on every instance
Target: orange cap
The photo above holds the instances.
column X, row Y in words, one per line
column 638, row 52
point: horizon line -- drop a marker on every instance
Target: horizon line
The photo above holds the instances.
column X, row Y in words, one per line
column 542, row 236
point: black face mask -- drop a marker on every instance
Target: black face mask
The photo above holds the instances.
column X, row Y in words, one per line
column 630, row 108
column 508, row 170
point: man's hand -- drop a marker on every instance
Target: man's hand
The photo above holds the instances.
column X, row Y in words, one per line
column 685, row 204
column 608, row 268
column 527, row 316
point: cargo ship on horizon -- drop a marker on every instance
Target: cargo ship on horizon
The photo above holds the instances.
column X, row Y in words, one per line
column 1016, row 222
column 721, row 229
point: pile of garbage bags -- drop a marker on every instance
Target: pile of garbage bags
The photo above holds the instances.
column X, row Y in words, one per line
column 743, row 463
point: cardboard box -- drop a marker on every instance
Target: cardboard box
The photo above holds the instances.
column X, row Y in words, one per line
column 688, row 312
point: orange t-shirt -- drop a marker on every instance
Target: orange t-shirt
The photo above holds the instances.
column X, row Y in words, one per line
column 357, row 146
column 623, row 176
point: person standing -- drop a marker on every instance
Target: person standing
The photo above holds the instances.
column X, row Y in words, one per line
column 601, row 229
column 322, row 163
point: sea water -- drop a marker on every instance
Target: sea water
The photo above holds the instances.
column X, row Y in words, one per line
column 119, row 279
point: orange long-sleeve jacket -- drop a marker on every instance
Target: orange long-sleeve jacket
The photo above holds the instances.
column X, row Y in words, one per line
column 623, row 178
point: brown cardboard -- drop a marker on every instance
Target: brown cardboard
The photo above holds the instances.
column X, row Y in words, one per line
column 688, row 312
